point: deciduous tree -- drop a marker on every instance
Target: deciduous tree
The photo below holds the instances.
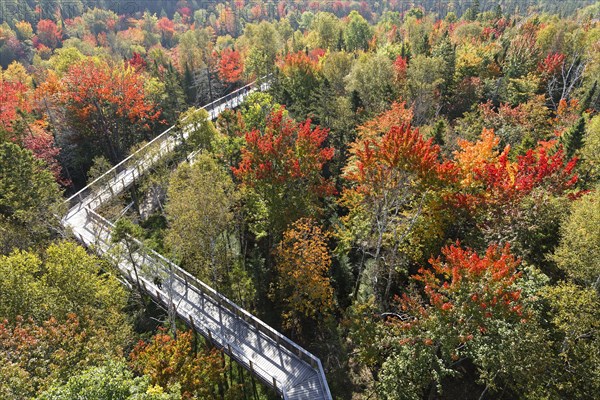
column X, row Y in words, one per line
column 357, row 33
column 372, row 78
column 303, row 285
column 298, row 78
column 168, row 362
column 30, row 199
column 390, row 175
column 66, row 280
column 110, row 381
column 578, row 253
column 474, row 310
column 199, row 209
column 230, row 65
column 284, row 166
column 48, row 33
column 35, row 355
column 107, row 105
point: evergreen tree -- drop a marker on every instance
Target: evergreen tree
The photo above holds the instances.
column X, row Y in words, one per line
column 437, row 133
column 472, row 12
column 591, row 98
column 572, row 139
column 188, row 85
column 498, row 11
column 175, row 101
column 447, row 52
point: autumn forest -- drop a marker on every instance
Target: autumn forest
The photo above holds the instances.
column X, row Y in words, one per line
column 406, row 189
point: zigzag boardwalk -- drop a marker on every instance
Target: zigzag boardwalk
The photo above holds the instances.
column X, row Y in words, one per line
column 277, row 361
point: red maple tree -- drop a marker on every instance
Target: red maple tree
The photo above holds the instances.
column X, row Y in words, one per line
column 286, row 152
column 376, row 160
column 42, row 144
column 463, row 278
column 13, row 98
column 507, row 181
column 230, row 65
column 48, row 33
column 107, row 104
column 284, row 166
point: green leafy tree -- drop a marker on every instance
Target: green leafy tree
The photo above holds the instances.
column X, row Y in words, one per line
column 336, row 65
column 201, row 132
column 578, row 253
column 372, row 79
column 67, row 280
column 357, row 32
column 256, row 108
column 574, row 317
column 327, row 30
column 199, row 209
column 424, row 79
column 590, row 152
column 298, row 78
column 30, row 200
column 231, row 126
column 265, row 43
column 112, row 381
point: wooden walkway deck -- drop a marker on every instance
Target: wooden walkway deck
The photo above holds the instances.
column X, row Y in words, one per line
column 277, row 361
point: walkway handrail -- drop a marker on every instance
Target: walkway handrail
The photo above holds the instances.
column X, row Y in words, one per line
column 158, row 138
column 261, row 326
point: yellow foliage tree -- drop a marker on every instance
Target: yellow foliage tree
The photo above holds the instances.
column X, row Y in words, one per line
column 303, row 285
column 474, row 154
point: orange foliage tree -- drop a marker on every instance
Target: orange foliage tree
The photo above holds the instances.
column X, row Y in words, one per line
column 489, row 177
column 465, row 284
column 169, row 361
column 303, row 285
column 471, row 307
column 166, row 27
column 391, row 177
column 472, row 155
column 230, row 65
column 397, row 115
column 16, row 126
column 13, row 99
column 515, row 200
column 107, row 105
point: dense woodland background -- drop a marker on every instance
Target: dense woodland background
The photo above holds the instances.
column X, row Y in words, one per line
column 414, row 200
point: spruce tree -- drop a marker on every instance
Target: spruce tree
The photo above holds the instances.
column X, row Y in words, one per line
column 572, row 139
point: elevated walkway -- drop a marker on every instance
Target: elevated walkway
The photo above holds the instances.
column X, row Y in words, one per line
column 280, row 363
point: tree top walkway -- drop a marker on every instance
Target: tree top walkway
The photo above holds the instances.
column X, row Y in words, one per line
column 280, row 363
